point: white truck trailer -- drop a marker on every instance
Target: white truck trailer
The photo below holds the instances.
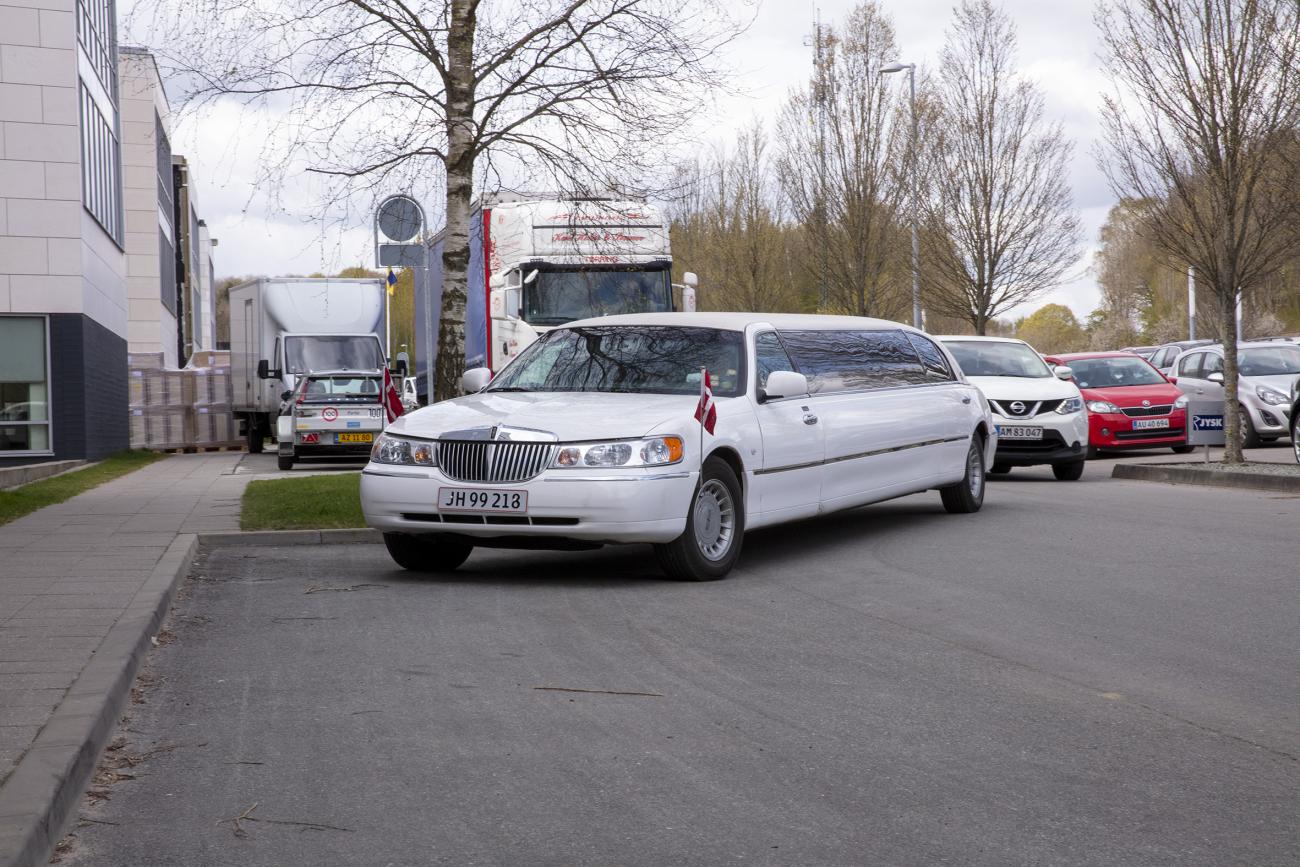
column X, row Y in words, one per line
column 283, row 327
column 536, row 262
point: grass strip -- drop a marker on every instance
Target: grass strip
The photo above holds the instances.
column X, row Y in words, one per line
column 323, row 502
column 16, row 502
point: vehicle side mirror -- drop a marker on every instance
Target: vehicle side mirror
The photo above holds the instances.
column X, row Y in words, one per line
column 1216, row 377
column 1064, row 372
column 475, row 380
column 263, row 369
column 783, row 383
column 285, row 395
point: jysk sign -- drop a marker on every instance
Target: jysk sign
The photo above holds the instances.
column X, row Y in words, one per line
column 1205, row 423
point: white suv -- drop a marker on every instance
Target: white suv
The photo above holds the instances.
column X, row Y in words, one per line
column 1039, row 414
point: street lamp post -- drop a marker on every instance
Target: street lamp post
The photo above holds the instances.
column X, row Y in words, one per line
column 916, row 246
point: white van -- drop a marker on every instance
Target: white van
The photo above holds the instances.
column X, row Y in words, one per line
column 590, row 437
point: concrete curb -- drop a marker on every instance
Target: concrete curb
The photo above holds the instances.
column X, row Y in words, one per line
column 1183, row 475
column 258, row 538
column 43, row 793
column 15, row 477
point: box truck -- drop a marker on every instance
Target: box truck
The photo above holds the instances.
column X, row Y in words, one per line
column 283, row 327
column 536, row 262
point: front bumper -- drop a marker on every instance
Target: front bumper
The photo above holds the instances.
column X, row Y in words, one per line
column 1114, row 431
column 596, row 506
column 1065, row 439
column 1270, row 420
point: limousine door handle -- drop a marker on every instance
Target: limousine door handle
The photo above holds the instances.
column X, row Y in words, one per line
column 809, row 418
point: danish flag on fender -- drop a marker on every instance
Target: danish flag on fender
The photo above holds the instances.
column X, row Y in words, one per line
column 392, row 400
column 705, row 412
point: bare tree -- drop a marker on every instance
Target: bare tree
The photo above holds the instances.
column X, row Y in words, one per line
column 1000, row 223
column 375, row 94
column 727, row 224
column 842, row 167
column 1202, row 122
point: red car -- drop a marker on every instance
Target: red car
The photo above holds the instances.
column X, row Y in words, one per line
column 1131, row 405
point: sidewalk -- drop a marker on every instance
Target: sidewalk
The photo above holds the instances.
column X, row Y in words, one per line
column 81, row 583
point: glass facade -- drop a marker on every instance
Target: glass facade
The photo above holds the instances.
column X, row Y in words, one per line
column 101, row 172
column 24, row 385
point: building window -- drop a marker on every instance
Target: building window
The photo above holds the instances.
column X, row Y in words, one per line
column 24, row 385
column 101, row 178
column 97, row 35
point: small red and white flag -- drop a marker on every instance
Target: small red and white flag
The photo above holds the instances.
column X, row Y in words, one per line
column 705, row 412
column 392, row 400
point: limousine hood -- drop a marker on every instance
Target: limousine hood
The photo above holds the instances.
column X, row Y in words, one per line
column 1027, row 388
column 571, row 416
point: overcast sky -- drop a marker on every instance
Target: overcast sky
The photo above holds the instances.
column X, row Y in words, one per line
column 1057, row 49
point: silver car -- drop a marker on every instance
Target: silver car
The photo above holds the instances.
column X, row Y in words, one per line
column 1267, row 371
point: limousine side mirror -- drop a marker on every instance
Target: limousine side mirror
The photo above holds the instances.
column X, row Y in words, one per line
column 475, row 380
column 1216, row 377
column 1064, row 372
column 783, row 383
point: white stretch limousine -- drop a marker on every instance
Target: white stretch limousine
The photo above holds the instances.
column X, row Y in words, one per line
column 590, row 437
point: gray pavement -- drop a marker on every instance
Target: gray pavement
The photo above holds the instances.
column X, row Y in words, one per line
column 82, row 585
column 1083, row 673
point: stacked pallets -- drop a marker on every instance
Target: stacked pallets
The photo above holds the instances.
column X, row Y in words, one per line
column 181, row 409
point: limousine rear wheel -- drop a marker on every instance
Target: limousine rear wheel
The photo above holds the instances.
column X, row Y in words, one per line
column 968, row 494
column 427, row 553
column 715, row 527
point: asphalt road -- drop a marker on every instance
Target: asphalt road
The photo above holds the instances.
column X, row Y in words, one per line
column 1099, row 672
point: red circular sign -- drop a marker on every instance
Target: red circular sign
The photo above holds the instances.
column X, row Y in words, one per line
column 329, row 413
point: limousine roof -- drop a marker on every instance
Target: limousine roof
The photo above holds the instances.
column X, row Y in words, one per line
column 739, row 321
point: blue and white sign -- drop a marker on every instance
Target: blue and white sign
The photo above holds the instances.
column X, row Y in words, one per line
column 1205, row 423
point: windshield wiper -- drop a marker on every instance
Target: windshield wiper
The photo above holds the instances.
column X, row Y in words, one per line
column 511, row 388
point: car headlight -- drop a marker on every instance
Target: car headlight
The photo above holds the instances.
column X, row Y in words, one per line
column 1069, row 405
column 1269, row 396
column 389, row 449
column 1181, row 403
column 1102, row 406
column 652, row 452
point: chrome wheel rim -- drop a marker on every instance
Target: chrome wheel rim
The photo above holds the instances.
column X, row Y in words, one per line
column 1242, row 421
column 975, row 471
column 1295, row 440
column 714, row 519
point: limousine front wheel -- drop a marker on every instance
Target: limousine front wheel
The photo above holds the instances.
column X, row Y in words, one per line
column 429, row 553
column 968, row 494
column 715, row 526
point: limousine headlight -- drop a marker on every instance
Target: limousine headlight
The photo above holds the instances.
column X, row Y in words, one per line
column 653, row 452
column 389, row 449
column 1069, row 405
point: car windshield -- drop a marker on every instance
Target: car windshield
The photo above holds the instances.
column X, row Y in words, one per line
column 332, row 352
column 989, row 358
column 329, row 389
column 555, row 297
column 1113, row 372
column 1270, row 361
column 649, row 359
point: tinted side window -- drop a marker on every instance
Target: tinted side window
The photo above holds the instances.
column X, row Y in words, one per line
column 770, row 355
column 931, row 356
column 854, row 360
column 1189, row 364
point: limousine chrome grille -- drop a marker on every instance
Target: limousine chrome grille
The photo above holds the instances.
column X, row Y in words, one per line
column 493, row 460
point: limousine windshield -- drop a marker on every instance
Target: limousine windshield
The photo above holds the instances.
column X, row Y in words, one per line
column 647, row 359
